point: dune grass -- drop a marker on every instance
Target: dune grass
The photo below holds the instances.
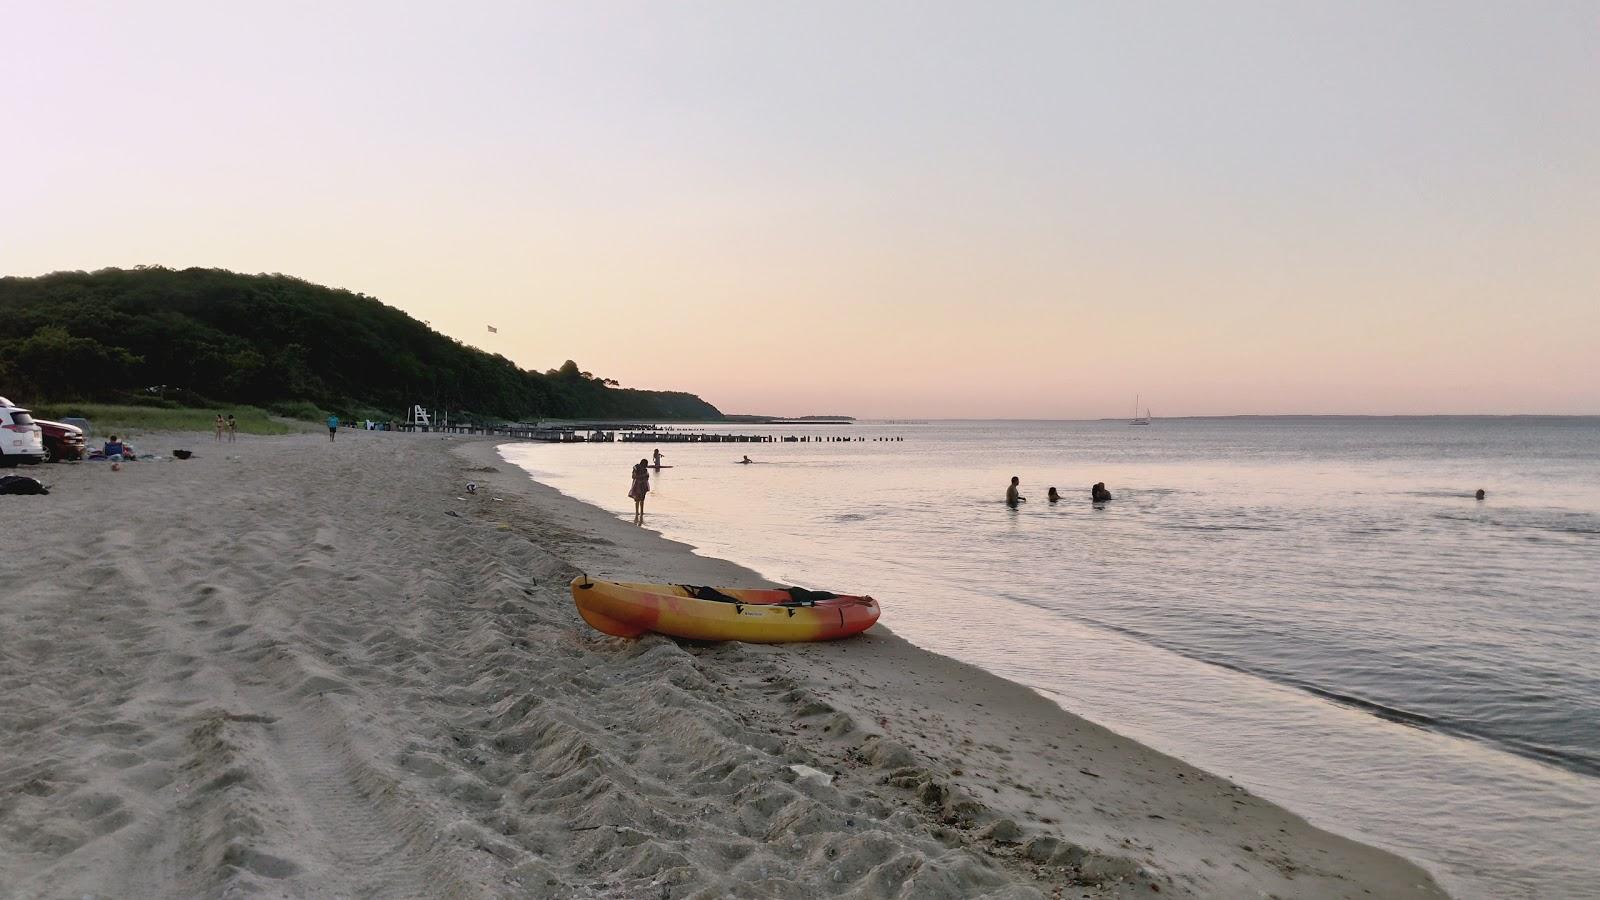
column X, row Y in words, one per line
column 106, row 418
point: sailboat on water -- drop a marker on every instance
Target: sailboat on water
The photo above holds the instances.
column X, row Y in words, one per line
column 1138, row 419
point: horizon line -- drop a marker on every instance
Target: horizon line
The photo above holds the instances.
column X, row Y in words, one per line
column 926, row 419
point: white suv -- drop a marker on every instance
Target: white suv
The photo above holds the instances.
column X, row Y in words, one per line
column 20, row 439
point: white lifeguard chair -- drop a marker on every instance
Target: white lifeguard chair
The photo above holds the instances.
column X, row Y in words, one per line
column 419, row 417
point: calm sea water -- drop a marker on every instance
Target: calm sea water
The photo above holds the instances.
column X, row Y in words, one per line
column 1317, row 608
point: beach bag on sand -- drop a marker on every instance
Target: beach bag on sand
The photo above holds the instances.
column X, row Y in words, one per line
column 21, row 484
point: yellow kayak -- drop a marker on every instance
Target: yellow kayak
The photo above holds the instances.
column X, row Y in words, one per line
column 760, row 615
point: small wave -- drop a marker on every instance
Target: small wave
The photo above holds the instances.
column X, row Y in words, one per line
column 1190, row 526
column 1381, row 710
column 1574, row 523
column 1572, row 762
column 1582, row 763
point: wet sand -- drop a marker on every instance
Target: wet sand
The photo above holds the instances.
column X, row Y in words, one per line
column 291, row 668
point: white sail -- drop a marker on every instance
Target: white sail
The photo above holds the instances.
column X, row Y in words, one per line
column 1138, row 419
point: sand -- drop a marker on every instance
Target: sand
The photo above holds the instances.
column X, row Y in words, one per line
column 290, row 668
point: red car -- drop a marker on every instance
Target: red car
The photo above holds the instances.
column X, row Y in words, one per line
column 61, row 441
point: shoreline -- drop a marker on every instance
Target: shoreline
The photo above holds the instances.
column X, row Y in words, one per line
column 1011, row 798
column 303, row 668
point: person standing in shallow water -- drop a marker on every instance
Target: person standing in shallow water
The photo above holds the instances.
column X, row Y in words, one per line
column 657, row 455
column 641, row 487
column 1012, row 496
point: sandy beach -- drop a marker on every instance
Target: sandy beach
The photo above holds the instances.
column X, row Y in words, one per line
column 293, row 668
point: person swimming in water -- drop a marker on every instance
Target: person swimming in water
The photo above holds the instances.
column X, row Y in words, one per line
column 1012, row 496
column 1054, row 495
column 746, row 461
column 1480, row 494
column 1098, row 493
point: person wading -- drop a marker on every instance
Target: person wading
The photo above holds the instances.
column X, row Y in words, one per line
column 641, row 487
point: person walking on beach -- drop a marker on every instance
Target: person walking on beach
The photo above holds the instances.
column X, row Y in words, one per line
column 1012, row 497
column 233, row 428
column 641, row 487
column 333, row 428
column 218, row 425
column 657, row 454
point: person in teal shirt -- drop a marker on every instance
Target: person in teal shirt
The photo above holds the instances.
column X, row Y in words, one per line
column 333, row 427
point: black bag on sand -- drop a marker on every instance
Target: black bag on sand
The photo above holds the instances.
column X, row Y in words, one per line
column 21, row 484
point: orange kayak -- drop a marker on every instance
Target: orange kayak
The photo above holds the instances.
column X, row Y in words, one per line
column 761, row 616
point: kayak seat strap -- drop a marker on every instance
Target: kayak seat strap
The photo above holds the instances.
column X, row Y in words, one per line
column 702, row 592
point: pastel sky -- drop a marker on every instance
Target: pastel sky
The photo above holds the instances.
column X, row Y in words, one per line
column 882, row 209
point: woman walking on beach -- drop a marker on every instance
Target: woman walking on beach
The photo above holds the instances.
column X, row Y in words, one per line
column 641, row 486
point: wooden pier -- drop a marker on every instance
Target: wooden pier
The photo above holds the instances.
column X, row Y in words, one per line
column 546, row 434
column 606, row 432
column 690, row 437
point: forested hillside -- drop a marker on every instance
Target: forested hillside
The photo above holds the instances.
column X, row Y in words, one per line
column 209, row 335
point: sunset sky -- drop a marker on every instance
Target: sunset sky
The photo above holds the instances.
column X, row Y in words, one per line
column 882, row 209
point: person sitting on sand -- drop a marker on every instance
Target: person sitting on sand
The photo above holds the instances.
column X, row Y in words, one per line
column 1012, row 497
column 113, row 449
column 1098, row 493
column 641, row 487
column 1054, row 496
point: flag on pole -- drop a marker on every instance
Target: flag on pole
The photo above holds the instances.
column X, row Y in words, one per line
column 493, row 330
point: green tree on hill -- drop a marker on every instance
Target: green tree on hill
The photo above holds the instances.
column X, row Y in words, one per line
column 270, row 339
column 52, row 360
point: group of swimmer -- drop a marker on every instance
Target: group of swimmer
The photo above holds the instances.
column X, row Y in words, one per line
column 1097, row 494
